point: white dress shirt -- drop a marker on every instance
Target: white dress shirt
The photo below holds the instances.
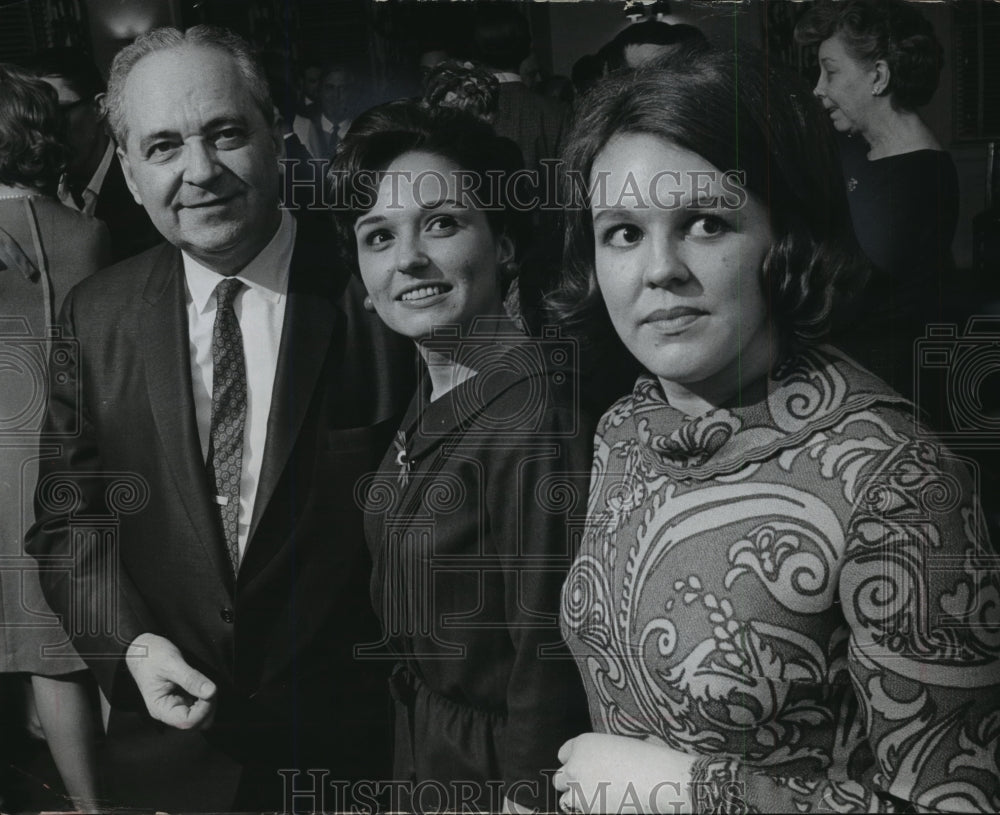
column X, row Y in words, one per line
column 260, row 310
column 508, row 76
column 310, row 138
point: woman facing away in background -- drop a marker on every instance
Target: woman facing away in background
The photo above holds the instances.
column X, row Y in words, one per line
column 879, row 63
column 468, row 519
column 785, row 600
column 45, row 249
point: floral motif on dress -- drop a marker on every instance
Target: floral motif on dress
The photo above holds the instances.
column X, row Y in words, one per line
column 799, row 589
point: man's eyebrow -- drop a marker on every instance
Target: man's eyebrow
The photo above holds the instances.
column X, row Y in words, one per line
column 224, row 121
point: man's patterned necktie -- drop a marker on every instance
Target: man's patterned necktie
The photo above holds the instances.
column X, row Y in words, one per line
column 229, row 413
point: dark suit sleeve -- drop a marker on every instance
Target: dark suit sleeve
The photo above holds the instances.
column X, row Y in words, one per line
column 77, row 552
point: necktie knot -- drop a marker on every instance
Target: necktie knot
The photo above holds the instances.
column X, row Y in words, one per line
column 226, row 291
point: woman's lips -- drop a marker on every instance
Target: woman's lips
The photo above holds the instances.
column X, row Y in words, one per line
column 673, row 320
column 421, row 293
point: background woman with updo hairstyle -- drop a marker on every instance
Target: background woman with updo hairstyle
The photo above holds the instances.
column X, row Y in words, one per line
column 879, row 64
column 468, row 519
column 45, row 249
column 760, row 608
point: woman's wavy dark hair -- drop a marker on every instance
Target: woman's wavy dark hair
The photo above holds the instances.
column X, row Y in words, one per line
column 33, row 150
column 465, row 85
column 891, row 30
column 739, row 113
column 379, row 136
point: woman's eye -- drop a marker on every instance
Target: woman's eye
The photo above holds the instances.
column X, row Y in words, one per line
column 622, row 235
column 442, row 223
column 707, row 226
column 377, row 238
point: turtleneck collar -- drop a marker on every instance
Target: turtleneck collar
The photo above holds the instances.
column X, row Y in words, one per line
column 812, row 393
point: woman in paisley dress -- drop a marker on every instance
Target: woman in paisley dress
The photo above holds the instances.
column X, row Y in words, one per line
column 784, row 600
column 468, row 517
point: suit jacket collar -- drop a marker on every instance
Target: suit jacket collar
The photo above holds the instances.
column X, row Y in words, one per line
column 311, row 318
column 168, row 381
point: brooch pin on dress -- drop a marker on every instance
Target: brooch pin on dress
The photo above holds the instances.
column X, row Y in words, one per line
column 404, row 462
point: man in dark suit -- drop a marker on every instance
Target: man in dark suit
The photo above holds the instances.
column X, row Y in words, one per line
column 93, row 183
column 223, row 393
column 536, row 123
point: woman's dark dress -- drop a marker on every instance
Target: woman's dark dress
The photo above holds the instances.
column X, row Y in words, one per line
column 905, row 211
column 471, row 541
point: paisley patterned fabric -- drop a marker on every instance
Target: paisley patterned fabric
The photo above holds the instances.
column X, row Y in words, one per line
column 800, row 589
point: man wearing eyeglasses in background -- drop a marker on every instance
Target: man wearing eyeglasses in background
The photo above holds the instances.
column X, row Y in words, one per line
column 93, row 182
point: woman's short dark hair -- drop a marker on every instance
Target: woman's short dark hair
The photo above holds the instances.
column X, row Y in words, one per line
column 739, row 112
column 890, row 30
column 33, row 151
column 491, row 164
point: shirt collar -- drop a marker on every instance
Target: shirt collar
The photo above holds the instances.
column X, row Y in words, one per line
column 266, row 274
column 507, row 76
column 93, row 186
column 97, row 180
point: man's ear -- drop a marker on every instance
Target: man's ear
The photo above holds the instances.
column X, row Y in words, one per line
column 505, row 250
column 127, row 172
column 101, row 106
column 278, row 136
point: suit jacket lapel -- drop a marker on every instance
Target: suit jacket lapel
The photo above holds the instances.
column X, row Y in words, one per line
column 311, row 319
column 168, row 380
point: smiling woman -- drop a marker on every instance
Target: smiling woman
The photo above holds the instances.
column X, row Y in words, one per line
column 469, row 517
column 427, row 258
column 755, row 610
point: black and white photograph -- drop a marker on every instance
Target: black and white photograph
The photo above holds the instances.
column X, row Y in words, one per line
column 499, row 406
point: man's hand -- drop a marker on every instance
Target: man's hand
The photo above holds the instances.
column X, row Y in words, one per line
column 174, row 692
